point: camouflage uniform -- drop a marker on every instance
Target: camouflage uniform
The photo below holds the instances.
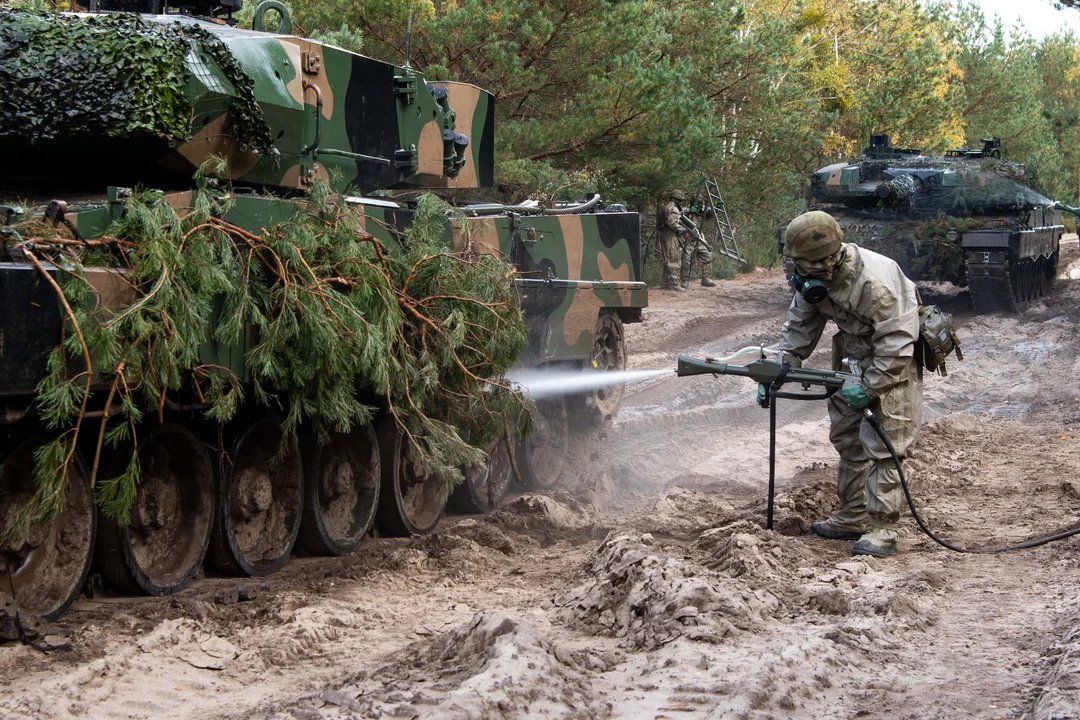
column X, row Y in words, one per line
column 696, row 248
column 680, row 246
column 875, row 308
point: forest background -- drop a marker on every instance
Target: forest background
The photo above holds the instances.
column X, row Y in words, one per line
column 631, row 98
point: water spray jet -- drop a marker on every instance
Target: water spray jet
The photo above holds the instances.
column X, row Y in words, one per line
column 539, row 384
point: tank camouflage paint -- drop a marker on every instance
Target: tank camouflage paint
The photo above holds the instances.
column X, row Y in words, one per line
column 341, row 117
column 351, row 120
column 967, row 218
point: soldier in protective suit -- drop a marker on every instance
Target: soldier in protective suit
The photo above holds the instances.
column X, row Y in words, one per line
column 876, row 309
column 681, row 246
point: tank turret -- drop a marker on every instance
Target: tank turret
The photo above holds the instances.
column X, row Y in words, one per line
column 282, row 110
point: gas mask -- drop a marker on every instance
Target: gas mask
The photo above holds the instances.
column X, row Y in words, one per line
column 811, row 288
column 809, row 278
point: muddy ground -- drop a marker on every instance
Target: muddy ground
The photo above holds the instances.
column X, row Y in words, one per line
column 648, row 587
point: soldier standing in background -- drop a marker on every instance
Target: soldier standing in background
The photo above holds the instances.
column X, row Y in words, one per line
column 697, row 247
column 681, row 243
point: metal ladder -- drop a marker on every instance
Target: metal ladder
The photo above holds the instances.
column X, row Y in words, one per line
column 725, row 234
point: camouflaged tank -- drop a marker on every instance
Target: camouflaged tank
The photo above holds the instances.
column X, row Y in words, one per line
column 968, row 218
column 350, row 120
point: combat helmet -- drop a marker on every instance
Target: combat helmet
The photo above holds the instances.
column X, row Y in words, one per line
column 812, row 236
column 677, row 194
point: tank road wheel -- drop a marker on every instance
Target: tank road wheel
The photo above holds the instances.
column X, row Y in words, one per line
column 341, row 492
column 45, row 572
column 260, row 501
column 163, row 547
column 543, row 453
column 484, row 489
column 408, row 503
column 608, row 354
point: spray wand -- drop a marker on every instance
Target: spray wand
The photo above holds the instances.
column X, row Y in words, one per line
column 771, row 371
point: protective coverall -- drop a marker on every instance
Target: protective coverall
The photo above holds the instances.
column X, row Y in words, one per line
column 876, row 309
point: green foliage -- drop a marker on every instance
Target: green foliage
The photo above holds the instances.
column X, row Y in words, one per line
column 430, row 329
column 630, row 99
column 920, row 247
column 65, row 75
column 344, row 37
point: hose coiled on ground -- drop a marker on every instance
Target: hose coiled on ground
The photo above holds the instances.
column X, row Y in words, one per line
column 876, row 425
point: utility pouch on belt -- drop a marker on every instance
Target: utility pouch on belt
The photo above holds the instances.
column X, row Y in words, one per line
column 937, row 339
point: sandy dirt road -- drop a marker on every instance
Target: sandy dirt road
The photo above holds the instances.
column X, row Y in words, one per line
column 648, row 586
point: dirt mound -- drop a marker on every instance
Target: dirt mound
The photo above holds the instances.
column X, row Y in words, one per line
column 548, row 519
column 1056, row 695
column 632, row 593
column 491, row 666
column 812, row 497
column 744, row 549
column 801, row 576
column 184, row 640
column 468, row 545
column 682, row 512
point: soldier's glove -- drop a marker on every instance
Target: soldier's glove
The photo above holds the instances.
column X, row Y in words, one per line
column 855, row 396
column 762, row 395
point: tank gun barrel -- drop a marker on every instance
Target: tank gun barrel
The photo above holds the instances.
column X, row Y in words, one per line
column 1062, row 206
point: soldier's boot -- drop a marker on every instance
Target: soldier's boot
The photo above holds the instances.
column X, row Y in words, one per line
column 706, row 272
column 850, row 521
column 879, row 542
column 670, row 282
column 883, row 499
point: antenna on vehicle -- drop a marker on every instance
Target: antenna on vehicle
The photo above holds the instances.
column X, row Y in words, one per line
column 408, row 35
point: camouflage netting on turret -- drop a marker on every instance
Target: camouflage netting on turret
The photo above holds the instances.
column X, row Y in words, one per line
column 920, row 247
column 68, row 75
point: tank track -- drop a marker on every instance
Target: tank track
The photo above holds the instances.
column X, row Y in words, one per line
column 989, row 283
column 998, row 283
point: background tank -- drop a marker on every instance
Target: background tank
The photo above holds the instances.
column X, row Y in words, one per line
column 77, row 136
column 969, row 218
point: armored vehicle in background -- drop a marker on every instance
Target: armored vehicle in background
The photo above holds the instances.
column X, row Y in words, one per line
column 968, row 218
column 283, row 112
